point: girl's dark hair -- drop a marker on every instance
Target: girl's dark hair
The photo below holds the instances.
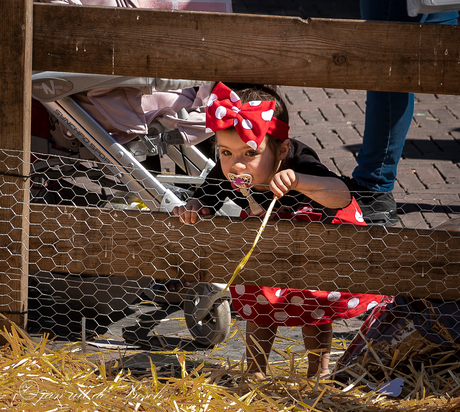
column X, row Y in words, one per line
column 248, row 92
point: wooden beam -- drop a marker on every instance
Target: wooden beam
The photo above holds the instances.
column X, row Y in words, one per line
column 416, row 263
column 344, row 54
column 15, row 102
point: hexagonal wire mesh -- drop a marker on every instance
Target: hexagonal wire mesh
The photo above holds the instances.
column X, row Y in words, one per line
column 110, row 278
column 100, row 258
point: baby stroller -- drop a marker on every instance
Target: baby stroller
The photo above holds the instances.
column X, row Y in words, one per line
column 92, row 118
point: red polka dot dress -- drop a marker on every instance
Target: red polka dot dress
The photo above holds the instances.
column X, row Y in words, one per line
column 298, row 307
column 302, row 307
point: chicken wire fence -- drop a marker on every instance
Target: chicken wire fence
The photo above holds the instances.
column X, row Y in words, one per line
column 105, row 268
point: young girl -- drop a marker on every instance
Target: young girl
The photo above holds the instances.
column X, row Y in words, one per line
column 251, row 128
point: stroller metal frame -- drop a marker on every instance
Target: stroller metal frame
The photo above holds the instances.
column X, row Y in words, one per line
column 54, row 90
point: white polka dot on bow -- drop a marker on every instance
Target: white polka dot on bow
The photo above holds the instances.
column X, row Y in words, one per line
column 212, row 99
column 234, row 97
column 221, row 112
column 246, row 124
column 255, row 103
column 268, row 115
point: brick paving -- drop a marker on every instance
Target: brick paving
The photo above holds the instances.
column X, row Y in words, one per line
column 332, row 122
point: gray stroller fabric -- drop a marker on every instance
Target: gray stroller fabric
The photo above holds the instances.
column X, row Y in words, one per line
column 125, row 112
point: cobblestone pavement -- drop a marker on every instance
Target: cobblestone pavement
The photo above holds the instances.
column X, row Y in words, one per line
column 332, row 122
column 428, row 181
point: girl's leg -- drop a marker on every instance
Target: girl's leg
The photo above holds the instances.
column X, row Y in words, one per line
column 318, row 340
column 264, row 336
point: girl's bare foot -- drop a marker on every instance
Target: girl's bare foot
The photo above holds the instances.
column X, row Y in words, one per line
column 324, row 373
column 257, row 375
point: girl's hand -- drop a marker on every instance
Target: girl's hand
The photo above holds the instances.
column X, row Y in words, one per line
column 283, row 182
column 189, row 213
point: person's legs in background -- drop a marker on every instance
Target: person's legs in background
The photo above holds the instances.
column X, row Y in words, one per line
column 387, row 121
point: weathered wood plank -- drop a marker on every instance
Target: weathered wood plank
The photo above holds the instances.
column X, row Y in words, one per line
column 287, row 51
column 419, row 263
column 15, row 101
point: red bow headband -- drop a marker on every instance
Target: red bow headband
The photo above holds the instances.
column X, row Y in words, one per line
column 252, row 120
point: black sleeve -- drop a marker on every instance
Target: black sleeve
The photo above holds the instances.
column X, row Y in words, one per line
column 303, row 159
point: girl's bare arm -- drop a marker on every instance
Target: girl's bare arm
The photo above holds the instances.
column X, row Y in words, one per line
column 328, row 191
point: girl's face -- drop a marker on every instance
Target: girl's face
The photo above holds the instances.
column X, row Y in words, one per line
column 238, row 158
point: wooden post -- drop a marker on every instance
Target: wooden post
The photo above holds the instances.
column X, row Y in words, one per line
column 15, row 108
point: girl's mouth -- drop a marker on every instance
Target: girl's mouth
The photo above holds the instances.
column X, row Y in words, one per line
column 238, row 183
column 243, row 183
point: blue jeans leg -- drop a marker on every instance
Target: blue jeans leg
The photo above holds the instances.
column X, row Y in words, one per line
column 387, row 121
column 388, row 115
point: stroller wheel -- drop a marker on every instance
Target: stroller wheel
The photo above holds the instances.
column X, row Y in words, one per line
column 207, row 314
